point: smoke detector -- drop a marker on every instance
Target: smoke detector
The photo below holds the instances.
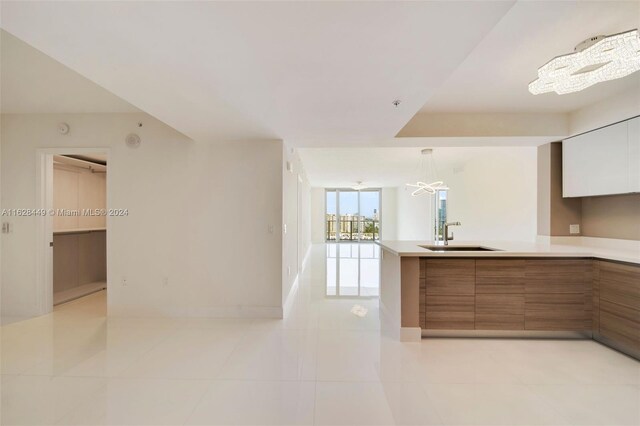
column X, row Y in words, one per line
column 63, row 128
column 132, row 140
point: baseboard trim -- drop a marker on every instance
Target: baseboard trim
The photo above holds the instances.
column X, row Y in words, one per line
column 530, row 334
column 410, row 334
column 194, row 312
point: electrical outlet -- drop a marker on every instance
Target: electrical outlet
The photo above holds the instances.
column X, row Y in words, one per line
column 165, row 282
column 574, row 229
column 270, row 229
column 124, row 281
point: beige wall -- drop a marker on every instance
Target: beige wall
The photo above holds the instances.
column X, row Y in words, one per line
column 555, row 213
column 616, row 108
column 615, row 216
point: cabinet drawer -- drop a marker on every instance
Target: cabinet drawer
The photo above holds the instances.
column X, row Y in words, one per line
column 500, row 276
column 620, row 284
column 450, row 277
column 499, row 312
column 450, row 312
column 558, row 276
column 620, row 324
column 560, row 312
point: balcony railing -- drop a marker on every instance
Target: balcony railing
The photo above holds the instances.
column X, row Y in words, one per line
column 353, row 229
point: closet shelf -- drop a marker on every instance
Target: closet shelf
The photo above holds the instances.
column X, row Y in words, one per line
column 78, row 292
column 78, row 231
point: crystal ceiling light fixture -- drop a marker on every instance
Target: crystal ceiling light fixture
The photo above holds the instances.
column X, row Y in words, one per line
column 595, row 60
column 422, row 187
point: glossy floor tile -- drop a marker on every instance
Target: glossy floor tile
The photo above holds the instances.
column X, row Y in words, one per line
column 321, row 365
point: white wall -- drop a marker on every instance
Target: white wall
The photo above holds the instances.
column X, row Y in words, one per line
column 317, row 215
column 388, row 210
column 611, row 110
column 200, row 216
column 414, row 215
column 492, row 192
column 296, row 211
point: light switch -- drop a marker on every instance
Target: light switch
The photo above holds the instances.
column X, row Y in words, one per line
column 574, row 229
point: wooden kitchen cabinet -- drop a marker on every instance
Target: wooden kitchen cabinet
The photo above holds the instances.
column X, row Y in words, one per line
column 558, row 312
column 546, row 276
column 533, row 294
column 499, row 303
column 499, row 312
column 451, row 277
column 449, row 292
column 619, row 306
column 558, row 294
column 450, row 312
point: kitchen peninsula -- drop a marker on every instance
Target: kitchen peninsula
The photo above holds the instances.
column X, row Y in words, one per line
column 502, row 289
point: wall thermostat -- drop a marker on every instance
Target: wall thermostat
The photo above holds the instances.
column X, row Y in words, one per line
column 63, row 128
column 132, row 140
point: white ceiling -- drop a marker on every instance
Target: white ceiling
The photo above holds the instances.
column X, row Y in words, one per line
column 343, row 167
column 312, row 73
column 242, row 70
column 32, row 82
column 381, row 167
column 495, row 76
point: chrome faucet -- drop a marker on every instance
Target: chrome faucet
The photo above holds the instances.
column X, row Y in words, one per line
column 446, row 231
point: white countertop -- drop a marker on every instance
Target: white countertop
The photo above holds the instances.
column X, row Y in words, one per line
column 628, row 253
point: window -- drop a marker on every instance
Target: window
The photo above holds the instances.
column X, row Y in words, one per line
column 352, row 215
column 440, row 213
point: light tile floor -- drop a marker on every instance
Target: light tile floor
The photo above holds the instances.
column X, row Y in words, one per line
column 320, row 365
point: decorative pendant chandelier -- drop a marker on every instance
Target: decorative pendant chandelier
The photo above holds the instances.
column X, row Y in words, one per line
column 426, row 166
column 595, row 60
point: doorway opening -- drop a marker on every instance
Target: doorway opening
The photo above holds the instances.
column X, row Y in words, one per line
column 72, row 249
column 352, row 215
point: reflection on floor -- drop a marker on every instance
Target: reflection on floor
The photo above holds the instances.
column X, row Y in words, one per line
column 353, row 270
column 321, row 365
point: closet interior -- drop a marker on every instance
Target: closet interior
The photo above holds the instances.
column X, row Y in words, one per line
column 79, row 226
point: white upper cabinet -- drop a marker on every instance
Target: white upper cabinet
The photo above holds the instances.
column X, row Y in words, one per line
column 602, row 162
column 634, row 154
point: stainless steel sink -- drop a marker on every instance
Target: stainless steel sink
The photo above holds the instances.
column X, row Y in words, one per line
column 458, row 248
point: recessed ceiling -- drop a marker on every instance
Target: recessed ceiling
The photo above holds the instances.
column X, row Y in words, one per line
column 495, row 76
column 32, row 82
column 238, row 70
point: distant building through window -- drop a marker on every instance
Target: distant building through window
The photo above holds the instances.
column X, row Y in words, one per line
column 440, row 213
column 352, row 215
